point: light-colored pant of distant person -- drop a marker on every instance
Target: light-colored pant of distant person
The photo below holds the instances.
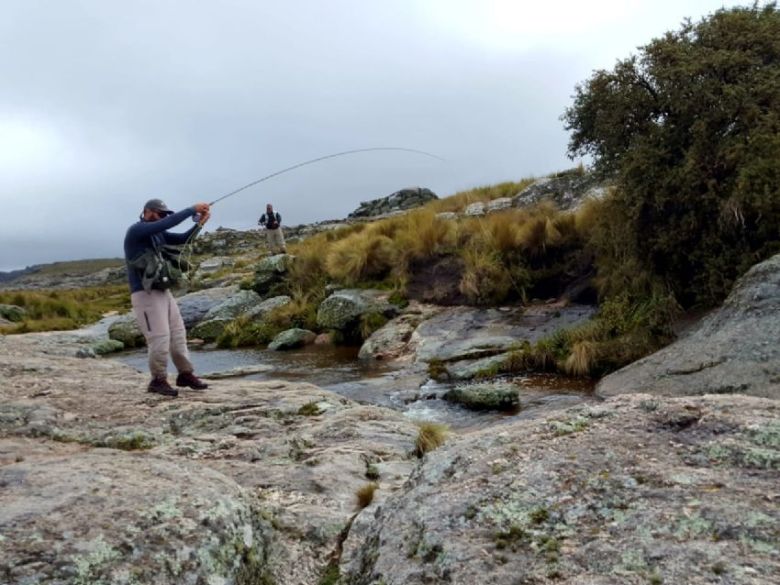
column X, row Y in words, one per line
column 276, row 241
column 160, row 321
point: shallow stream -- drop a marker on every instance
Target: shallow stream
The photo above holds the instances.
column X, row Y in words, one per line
column 404, row 388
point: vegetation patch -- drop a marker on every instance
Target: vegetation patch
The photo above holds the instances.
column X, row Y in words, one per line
column 365, row 494
column 430, row 436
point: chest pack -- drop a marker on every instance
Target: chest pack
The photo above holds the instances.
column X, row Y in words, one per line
column 160, row 267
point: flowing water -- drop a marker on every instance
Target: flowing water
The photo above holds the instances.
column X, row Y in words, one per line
column 403, row 388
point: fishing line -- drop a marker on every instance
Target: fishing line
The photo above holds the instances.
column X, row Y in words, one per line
column 318, row 159
column 189, row 248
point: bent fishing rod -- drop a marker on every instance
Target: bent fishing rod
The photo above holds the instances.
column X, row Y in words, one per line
column 303, row 164
column 318, row 159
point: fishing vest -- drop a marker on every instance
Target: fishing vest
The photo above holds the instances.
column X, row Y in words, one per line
column 271, row 220
column 160, row 267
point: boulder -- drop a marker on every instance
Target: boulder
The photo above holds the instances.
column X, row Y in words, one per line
column 634, row 490
column 106, row 346
column 12, row 313
column 77, row 518
column 218, row 317
column 488, row 396
column 292, row 339
column 498, row 204
column 447, row 215
column 566, row 190
column 475, row 209
column 391, row 340
column 467, row 333
column 194, row 306
column 400, row 200
column 343, row 308
column 125, row 329
column 211, row 265
column 271, row 271
column 734, row 349
column 260, row 311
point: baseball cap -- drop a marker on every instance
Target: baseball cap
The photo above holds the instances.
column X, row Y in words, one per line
column 157, row 205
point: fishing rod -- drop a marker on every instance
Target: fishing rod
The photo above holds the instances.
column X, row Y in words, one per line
column 318, row 159
column 297, row 166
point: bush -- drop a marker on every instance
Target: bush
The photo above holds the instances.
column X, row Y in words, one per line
column 689, row 129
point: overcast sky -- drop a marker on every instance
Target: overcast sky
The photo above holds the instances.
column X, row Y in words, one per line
column 105, row 104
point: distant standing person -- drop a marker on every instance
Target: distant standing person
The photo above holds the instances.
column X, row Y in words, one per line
column 272, row 222
column 155, row 308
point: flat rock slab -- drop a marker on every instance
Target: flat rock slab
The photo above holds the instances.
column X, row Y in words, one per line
column 106, row 516
column 635, row 490
column 735, row 349
column 459, row 333
column 85, row 436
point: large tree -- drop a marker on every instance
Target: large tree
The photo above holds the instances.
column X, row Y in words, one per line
column 690, row 130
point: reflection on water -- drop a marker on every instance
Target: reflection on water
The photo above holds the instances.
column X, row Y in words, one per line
column 408, row 390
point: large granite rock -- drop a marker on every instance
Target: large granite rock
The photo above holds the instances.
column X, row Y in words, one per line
column 343, row 308
column 400, row 200
column 248, row 482
column 125, row 329
column 108, row 516
column 735, row 349
column 461, row 333
column 270, row 272
column 486, row 396
column 218, row 317
column 292, row 339
column 195, row 305
column 393, row 340
column 566, row 190
column 633, row 491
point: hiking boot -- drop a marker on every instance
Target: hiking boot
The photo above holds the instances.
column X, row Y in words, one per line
column 161, row 386
column 190, row 380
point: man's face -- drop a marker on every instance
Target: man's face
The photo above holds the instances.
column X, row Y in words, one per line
column 153, row 214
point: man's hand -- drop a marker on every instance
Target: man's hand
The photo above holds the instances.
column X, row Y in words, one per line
column 202, row 209
column 204, row 218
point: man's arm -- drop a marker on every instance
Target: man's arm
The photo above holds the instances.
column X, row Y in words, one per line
column 149, row 228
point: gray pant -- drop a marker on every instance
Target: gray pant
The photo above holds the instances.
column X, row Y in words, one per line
column 275, row 240
column 160, row 321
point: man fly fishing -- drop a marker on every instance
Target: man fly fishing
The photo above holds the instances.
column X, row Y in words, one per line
column 153, row 266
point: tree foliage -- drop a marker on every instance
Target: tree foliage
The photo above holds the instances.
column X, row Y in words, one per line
column 690, row 130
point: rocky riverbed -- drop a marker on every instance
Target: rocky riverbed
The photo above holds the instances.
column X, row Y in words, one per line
column 267, row 481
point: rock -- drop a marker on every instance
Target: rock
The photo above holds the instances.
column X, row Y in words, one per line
column 282, row 458
column 106, row 346
column 12, row 313
column 264, row 308
column 211, row 265
column 194, row 306
column 391, row 340
column 292, row 338
column 198, row 526
column 470, row 369
column 634, row 490
column 125, row 329
column 734, row 349
column 88, row 352
column 461, row 333
column 475, row 209
column 398, row 201
column 498, row 204
column 218, row 317
column 343, row 308
column 270, row 272
column 447, row 215
column 488, row 396
column 566, row 190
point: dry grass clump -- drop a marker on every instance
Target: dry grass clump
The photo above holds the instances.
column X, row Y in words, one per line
column 365, row 494
column 430, row 436
column 486, row 280
column 361, row 256
column 463, row 199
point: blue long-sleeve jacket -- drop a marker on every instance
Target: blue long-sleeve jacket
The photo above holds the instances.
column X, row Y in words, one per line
column 141, row 234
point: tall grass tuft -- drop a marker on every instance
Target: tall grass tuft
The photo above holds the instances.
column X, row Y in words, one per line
column 430, row 436
column 365, row 494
